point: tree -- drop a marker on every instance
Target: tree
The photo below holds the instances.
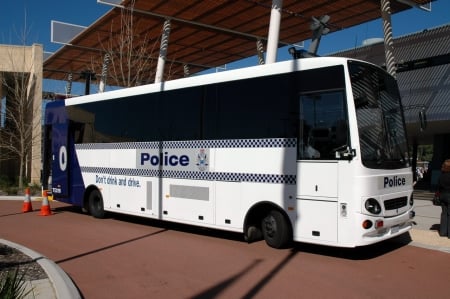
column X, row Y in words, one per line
column 129, row 53
column 425, row 152
column 20, row 129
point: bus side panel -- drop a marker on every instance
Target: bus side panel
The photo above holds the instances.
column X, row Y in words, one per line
column 188, row 200
column 196, row 182
column 317, row 200
column 124, row 188
column 314, row 228
column 229, row 211
column 259, row 174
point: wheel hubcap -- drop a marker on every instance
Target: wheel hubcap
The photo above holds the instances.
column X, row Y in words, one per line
column 270, row 226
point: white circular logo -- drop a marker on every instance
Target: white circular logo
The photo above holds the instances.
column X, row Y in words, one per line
column 63, row 158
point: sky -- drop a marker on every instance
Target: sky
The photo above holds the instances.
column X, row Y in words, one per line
column 28, row 22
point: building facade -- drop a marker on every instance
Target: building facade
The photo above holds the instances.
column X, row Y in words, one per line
column 21, row 100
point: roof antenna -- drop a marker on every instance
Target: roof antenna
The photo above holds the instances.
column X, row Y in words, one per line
column 319, row 28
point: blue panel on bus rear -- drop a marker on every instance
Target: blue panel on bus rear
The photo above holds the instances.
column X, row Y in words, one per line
column 60, row 163
column 55, row 113
column 67, row 183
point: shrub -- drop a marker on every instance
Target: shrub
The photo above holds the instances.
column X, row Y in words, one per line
column 8, row 187
column 12, row 285
column 4, row 182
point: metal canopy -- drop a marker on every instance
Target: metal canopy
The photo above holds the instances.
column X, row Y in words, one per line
column 204, row 33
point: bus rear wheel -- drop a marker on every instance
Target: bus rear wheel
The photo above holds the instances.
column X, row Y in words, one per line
column 276, row 230
column 96, row 204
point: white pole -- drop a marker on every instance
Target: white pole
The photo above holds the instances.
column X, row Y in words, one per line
column 274, row 31
column 163, row 52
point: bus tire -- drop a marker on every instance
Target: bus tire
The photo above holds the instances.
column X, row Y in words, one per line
column 276, row 230
column 96, row 204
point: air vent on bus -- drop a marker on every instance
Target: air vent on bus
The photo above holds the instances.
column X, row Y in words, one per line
column 395, row 203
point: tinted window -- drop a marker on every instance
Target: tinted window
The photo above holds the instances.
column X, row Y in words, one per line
column 174, row 115
column 255, row 108
column 263, row 107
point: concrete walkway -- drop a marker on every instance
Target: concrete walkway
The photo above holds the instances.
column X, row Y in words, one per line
column 426, row 229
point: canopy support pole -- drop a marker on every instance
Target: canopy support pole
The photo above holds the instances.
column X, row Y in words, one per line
column 69, row 85
column 163, row 51
column 186, row 71
column 104, row 75
column 388, row 38
column 260, row 51
column 274, row 31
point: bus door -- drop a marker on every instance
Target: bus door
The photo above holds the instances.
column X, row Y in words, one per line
column 322, row 146
column 60, row 160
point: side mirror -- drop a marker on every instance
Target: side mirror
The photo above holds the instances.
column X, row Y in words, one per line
column 347, row 154
column 350, row 154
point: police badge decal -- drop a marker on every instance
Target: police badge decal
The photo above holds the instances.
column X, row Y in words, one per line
column 202, row 160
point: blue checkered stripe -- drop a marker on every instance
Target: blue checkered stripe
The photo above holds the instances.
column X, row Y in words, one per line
column 228, row 143
column 196, row 175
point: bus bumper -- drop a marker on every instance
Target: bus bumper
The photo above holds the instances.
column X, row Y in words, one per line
column 386, row 227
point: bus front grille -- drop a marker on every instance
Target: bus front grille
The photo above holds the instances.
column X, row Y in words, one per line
column 395, row 203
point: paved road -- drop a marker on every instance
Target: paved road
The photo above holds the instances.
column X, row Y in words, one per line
column 127, row 257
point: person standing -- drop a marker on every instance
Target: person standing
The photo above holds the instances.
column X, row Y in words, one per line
column 444, row 189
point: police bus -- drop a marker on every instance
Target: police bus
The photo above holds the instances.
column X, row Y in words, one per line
column 310, row 150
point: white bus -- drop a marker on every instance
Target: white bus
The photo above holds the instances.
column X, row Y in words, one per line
column 310, row 150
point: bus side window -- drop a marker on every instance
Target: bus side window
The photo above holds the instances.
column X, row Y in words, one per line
column 341, row 134
column 323, row 125
column 306, row 146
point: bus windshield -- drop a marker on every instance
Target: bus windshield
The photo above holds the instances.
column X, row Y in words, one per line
column 380, row 117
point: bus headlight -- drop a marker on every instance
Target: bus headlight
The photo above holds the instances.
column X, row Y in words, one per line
column 373, row 206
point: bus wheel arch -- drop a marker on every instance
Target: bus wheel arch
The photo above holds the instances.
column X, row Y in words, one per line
column 269, row 222
column 93, row 202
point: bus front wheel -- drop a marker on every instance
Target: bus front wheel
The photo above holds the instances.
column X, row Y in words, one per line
column 96, row 204
column 276, row 230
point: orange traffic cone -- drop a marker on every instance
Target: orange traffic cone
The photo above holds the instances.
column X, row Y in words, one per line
column 27, row 202
column 45, row 208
